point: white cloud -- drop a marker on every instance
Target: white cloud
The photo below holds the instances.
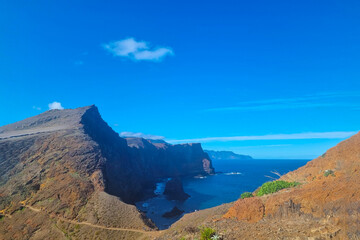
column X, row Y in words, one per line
column 55, row 105
column 126, row 47
column 261, row 146
column 137, row 50
column 291, row 136
column 154, row 55
column 36, row 108
column 140, row 135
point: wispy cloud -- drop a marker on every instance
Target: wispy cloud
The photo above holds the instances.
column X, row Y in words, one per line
column 292, row 136
column 137, row 50
column 262, row 146
column 55, row 105
column 140, row 135
column 309, row 101
column 36, row 108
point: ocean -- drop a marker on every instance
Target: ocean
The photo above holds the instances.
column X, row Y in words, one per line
column 233, row 177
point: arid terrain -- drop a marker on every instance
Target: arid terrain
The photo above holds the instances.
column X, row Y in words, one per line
column 67, row 174
column 325, row 206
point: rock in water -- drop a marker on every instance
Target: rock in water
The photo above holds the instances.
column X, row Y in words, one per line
column 175, row 212
column 174, row 190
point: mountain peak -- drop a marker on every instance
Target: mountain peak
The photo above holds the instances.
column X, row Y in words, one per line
column 52, row 120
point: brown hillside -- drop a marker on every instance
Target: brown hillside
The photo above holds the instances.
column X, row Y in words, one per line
column 334, row 199
column 66, row 174
column 322, row 207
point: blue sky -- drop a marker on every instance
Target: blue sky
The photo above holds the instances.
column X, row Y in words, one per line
column 247, row 76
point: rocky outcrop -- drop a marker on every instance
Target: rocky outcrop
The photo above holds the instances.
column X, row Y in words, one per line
column 164, row 160
column 174, row 190
column 69, row 164
column 226, row 155
column 175, row 212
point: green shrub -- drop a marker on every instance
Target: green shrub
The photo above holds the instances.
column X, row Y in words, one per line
column 329, row 172
column 246, row 195
column 273, row 187
column 206, row 233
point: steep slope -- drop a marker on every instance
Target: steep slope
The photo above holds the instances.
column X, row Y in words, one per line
column 66, row 173
column 65, row 163
column 163, row 160
column 325, row 206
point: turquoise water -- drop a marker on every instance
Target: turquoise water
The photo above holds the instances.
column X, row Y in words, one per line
column 233, row 178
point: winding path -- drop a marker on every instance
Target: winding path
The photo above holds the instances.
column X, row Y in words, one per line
column 148, row 233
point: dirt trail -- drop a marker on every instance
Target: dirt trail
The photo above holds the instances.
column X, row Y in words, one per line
column 32, row 208
column 148, row 233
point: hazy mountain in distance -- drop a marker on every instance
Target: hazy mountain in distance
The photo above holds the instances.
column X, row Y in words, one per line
column 222, row 155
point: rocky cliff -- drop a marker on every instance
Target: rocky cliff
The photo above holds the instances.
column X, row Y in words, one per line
column 67, row 174
column 162, row 160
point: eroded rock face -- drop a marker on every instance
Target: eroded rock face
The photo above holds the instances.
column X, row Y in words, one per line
column 164, row 160
column 248, row 210
column 70, row 164
column 174, row 190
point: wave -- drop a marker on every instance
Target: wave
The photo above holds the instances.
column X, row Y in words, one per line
column 233, row 173
column 200, row 177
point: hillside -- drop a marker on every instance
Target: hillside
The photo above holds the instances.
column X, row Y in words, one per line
column 67, row 174
column 324, row 206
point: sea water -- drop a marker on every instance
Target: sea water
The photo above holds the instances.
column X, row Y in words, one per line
column 233, row 177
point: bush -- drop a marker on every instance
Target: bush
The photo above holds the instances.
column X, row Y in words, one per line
column 329, row 172
column 246, row 195
column 206, row 233
column 275, row 186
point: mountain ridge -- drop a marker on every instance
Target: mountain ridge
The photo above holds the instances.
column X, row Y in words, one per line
column 71, row 164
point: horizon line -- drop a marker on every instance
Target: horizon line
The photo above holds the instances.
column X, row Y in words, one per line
column 291, row 136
